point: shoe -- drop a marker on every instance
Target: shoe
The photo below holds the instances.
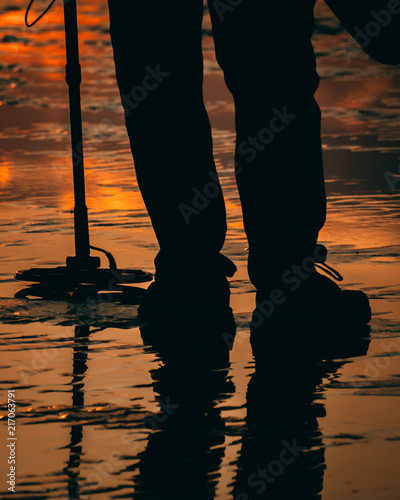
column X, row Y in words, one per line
column 196, row 296
column 314, row 298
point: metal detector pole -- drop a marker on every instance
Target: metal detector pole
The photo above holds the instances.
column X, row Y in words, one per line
column 73, row 78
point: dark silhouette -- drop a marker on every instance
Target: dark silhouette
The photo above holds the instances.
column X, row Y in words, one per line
column 281, row 448
column 283, row 453
column 264, row 49
column 184, row 452
column 374, row 24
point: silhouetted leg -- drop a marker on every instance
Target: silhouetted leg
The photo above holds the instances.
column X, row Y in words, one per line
column 159, row 67
column 264, row 49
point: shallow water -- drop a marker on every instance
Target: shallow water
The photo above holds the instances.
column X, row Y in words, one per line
column 104, row 411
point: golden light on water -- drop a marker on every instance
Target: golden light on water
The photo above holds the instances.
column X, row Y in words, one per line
column 360, row 107
column 5, row 174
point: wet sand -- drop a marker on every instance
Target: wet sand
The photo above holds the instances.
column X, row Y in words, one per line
column 100, row 404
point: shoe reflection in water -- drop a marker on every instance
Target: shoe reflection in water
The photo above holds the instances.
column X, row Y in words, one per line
column 282, row 454
column 184, row 453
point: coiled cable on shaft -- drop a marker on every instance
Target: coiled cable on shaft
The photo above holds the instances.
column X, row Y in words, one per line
column 46, row 10
column 111, row 259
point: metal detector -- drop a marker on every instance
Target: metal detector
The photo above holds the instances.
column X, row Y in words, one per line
column 82, row 271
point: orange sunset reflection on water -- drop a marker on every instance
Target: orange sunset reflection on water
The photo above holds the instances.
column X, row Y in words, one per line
column 35, row 104
column 105, row 363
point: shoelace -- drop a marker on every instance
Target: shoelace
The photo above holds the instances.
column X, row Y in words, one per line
column 320, row 264
column 329, row 271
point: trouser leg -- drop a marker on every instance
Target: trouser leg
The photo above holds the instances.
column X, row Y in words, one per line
column 264, row 49
column 159, row 68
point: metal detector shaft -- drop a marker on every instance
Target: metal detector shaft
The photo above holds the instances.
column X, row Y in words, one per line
column 73, row 79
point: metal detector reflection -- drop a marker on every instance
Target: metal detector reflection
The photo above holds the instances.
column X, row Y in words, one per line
column 81, row 346
column 82, row 268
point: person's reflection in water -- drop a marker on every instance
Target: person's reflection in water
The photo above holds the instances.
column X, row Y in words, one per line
column 282, row 454
column 183, row 455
